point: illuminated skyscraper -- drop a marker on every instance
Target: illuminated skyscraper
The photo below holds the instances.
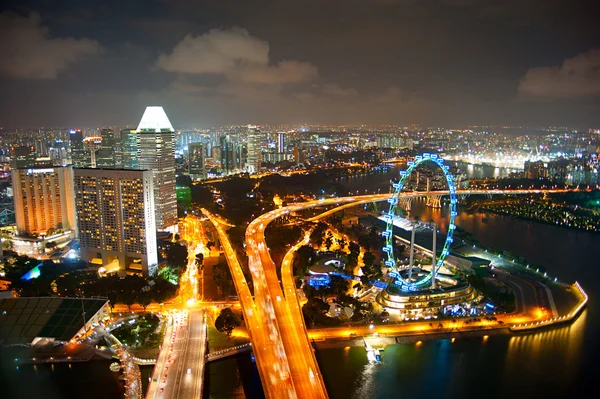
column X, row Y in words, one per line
column 80, row 156
column 255, row 139
column 44, row 199
column 196, row 160
column 281, row 142
column 115, row 218
column 106, row 156
column 128, row 149
column 156, row 152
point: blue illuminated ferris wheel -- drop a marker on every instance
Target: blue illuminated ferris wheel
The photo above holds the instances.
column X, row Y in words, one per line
column 398, row 279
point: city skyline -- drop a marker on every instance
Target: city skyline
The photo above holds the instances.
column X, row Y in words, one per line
column 445, row 63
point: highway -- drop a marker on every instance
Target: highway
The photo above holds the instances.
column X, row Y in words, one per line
column 305, row 373
column 260, row 321
column 189, row 368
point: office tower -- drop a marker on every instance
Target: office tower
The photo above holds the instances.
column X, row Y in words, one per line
column 227, row 155
column 23, row 157
column 115, row 217
column 156, row 152
column 106, row 155
column 280, row 142
column 43, row 199
column 80, row 156
column 196, row 160
column 254, row 146
column 129, row 149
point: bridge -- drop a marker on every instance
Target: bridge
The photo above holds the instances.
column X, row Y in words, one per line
column 223, row 353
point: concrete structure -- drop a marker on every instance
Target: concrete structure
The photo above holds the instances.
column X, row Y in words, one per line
column 115, row 211
column 44, row 199
column 156, row 152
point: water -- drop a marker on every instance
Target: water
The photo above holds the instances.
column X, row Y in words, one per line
column 559, row 362
column 88, row 380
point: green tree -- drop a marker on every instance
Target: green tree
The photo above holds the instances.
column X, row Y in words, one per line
column 145, row 299
column 227, row 321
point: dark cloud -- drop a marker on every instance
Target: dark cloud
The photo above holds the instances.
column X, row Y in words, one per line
column 29, row 52
column 365, row 61
column 578, row 76
column 235, row 54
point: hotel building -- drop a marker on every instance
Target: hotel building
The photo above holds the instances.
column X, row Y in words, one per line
column 115, row 218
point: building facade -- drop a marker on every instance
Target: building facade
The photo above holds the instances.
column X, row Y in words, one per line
column 255, row 139
column 156, row 152
column 44, row 200
column 128, row 149
column 80, row 155
column 196, row 158
column 115, row 218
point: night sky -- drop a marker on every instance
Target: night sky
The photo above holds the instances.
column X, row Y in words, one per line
column 432, row 62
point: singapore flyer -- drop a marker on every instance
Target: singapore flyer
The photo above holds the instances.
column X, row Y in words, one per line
column 403, row 283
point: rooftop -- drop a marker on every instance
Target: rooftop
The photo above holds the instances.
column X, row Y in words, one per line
column 24, row 319
column 155, row 120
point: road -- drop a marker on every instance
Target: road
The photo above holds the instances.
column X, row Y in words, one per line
column 305, row 373
column 270, row 356
column 179, row 369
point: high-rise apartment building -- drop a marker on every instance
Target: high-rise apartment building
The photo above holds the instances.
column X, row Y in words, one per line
column 115, row 218
column 196, row 160
column 44, row 199
column 80, row 155
column 254, row 146
column 128, row 148
column 156, row 152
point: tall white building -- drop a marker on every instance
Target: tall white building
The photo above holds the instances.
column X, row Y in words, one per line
column 156, row 152
column 115, row 218
column 44, row 199
column 254, row 145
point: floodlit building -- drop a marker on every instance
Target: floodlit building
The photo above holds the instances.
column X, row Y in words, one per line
column 156, row 152
column 44, row 200
column 115, row 218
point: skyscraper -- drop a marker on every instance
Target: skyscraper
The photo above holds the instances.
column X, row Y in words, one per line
column 115, row 217
column 156, row 152
column 227, row 155
column 44, row 199
column 80, row 156
column 196, row 160
column 255, row 139
column 280, row 142
column 22, row 157
column 129, row 148
column 106, row 156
